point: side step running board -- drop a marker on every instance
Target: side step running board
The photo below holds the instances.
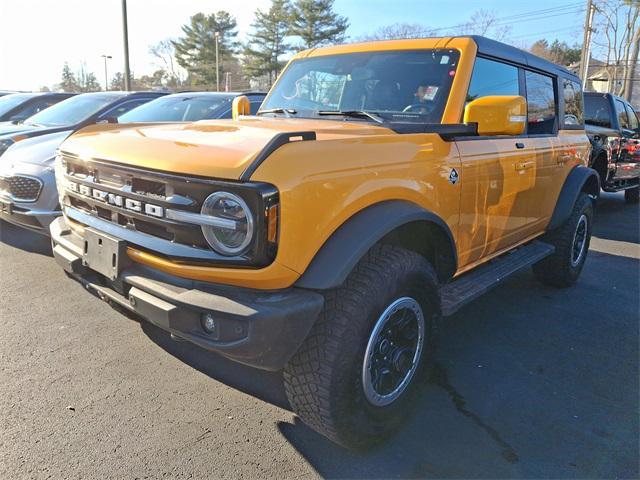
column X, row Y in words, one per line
column 473, row 284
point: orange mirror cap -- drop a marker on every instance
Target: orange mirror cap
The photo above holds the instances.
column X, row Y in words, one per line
column 240, row 106
column 497, row 114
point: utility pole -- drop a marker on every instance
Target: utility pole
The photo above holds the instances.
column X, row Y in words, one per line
column 631, row 70
column 106, row 76
column 585, row 57
column 217, row 35
column 125, row 33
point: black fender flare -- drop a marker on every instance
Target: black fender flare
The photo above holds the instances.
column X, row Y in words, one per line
column 580, row 179
column 349, row 243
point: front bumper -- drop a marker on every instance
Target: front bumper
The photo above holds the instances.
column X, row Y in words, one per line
column 258, row 328
column 26, row 217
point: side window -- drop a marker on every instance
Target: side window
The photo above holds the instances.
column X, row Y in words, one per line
column 541, row 103
column 597, row 111
column 33, row 108
column 621, row 113
column 492, row 78
column 573, row 110
column 124, row 108
column 633, row 118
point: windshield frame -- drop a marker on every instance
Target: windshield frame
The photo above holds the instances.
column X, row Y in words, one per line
column 389, row 116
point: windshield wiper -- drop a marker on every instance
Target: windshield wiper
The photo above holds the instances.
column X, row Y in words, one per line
column 354, row 114
column 287, row 111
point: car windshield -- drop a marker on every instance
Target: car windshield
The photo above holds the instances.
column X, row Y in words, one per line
column 71, row 111
column 407, row 86
column 180, row 108
column 8, row 102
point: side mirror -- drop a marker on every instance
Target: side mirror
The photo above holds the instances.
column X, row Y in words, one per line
column 240, row 106
column 17, row 119
column 497, row 114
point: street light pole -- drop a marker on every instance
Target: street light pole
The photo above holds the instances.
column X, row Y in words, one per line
column 217, row 35
column 106, row 76
column 125, row 34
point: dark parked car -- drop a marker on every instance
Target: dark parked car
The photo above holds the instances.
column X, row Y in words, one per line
column 190, row 107
column 17, row 107
column 614, row 130
column 74, row 113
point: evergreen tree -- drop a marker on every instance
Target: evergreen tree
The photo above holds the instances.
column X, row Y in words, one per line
column 267, row 42
column 196, row 50
column 69, row 82
column 315, row 22
column 558, row 52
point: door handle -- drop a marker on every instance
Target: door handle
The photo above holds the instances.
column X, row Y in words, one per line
column 521, row 166
column 519, row 145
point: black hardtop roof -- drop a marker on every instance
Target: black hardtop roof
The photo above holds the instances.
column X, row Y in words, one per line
column 499, row 50
column 605, row 94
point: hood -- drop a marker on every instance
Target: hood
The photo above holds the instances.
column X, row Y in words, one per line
column 210, row 148
column 21, row 130
column 39, row 150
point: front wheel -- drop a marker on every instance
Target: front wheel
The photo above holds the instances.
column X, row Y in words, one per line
column 571, row 242
column 354, row 377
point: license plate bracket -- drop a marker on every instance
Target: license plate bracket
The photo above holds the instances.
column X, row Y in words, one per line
column 6, row 207
column 104, row 254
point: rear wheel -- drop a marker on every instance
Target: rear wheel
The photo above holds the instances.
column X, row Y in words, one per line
column 354, row 377
column 632, row 195
column 571, row 242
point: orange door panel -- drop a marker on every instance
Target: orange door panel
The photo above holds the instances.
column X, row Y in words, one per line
column 498, row 175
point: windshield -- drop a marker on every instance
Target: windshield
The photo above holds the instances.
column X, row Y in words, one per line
column 8, row 102
column 408, row 86
column 71, row 111
column 177, row 109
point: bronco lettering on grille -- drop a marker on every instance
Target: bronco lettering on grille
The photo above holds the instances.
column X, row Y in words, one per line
column 116, row 200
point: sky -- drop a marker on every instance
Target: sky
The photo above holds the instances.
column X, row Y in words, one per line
column 38, row 36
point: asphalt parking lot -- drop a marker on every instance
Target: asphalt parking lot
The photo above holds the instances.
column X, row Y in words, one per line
column 530, row 382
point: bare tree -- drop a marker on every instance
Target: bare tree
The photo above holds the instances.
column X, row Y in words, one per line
column 617, row 31
column 481, row 22
column 397, row 31
column 485, row 23
column 164, row 52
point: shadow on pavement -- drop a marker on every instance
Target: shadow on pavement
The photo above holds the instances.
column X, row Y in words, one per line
column 617, row 220
column 264, row 385
column 24, row 239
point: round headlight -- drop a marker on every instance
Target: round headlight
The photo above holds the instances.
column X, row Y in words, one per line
column 234, row 229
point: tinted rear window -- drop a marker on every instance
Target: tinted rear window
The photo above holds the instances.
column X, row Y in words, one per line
column 597, row 111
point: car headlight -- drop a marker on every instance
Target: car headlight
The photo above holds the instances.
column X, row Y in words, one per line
column 232, row 225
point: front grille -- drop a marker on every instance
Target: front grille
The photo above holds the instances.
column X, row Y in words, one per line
column 138, row 199
column 21, row 188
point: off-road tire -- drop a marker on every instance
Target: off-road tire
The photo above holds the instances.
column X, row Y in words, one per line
column 632, row 195
column 558, row 270
column 324, row 379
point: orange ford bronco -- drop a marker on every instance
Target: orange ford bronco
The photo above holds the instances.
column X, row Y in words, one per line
column 380, row 187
